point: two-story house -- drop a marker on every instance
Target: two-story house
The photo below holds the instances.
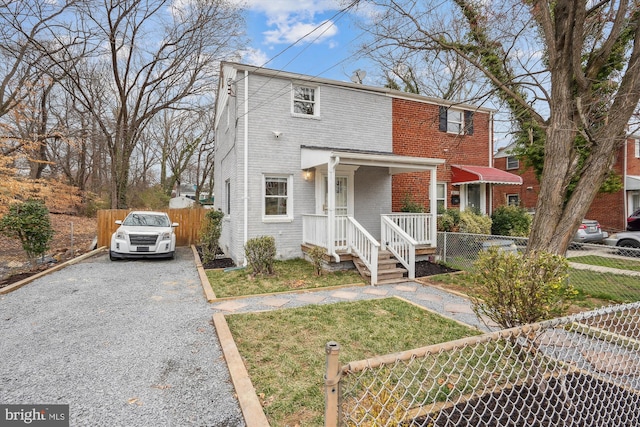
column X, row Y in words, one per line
column 609, row 209
column 312, row 161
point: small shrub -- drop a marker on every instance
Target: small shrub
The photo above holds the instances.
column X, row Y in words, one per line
column 510, row 221
column 474, row 223
column 515, row 289
column 317, row 254
column 261, row 253
column 449, row 220
column 29, row 223
column 210, row 234
column 409, row 205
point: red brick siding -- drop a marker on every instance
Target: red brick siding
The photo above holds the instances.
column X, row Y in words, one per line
column 607, row 209
column 415, row 133
column 633, row 162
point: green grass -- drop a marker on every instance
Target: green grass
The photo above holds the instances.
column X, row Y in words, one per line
column 290, row 275
column 622, row 264
column 594, row 289
column 284, row 349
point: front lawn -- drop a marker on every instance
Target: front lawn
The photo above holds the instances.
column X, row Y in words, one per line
column 290, row 275
column 619, row 263
column 595, row 289
column 284, row 350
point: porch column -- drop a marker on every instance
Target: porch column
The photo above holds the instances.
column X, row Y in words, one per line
column 331, row 205
column 433, row 206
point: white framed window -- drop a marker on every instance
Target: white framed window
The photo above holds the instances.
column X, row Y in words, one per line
column 455, row 121
column 227, row 191
column 513, row 199
column 441, row 196
column 637, row 150
column 513, row 162
column 305, row 101
column 277, row 200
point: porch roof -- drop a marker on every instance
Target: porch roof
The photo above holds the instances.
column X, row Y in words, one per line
column 467, row 174
column 312, row 157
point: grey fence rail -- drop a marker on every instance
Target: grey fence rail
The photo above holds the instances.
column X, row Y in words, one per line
column 581, row 370
column 608, row 274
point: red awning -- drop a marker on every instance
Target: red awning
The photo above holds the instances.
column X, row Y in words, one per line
column 463, row 174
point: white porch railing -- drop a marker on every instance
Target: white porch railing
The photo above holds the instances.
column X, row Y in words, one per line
column 314, row 231
column 400, row 244
column 400, row 233
column 420, row 226
column 364, row 245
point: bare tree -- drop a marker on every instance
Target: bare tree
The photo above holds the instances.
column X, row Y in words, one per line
column 150, row 56
column 569, row 72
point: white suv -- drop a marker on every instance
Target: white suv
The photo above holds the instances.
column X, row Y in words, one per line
column 144, row 234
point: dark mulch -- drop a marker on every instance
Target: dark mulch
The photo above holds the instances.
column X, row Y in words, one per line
column 221, row 261
column 21, row 276
column 426, row 268
column 576, row 400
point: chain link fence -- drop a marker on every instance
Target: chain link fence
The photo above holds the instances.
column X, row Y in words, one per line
column 582, row 370
column 607, row 274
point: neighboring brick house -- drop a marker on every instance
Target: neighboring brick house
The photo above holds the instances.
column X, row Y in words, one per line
column 313, row 161
column 460, row 134
column 609, row 209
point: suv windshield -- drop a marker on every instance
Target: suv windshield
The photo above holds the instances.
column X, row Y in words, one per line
column 147, row 220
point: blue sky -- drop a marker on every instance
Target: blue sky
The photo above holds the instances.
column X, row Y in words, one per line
column 328, row 51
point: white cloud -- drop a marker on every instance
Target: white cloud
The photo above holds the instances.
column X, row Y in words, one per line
column 254, row 57
column 289, row 20
column 290, row 32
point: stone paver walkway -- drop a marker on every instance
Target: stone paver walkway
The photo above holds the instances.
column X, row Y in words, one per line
column 434, row 299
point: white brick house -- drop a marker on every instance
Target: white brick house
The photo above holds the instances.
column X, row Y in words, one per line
column 282, row 139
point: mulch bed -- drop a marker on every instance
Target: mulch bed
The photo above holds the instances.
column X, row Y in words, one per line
column 426, row 268
column 219, row 262
column 577, row 399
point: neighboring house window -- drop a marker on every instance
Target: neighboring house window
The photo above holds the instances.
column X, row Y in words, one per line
column 637, row 148
column 227, row 190
column 513, row 199
column 277, row 197
column 305, row 101
column 456, row 121
column 441, row 196
column 513, row 162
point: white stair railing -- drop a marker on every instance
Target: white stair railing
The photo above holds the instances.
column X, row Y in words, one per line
column 420, row 226
column 364, row 245
column 400, row 244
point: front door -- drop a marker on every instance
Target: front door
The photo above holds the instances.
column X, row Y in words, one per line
column 342, row 195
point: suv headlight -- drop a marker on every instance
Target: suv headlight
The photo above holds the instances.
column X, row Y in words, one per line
column 165, row 236
column 120, row 235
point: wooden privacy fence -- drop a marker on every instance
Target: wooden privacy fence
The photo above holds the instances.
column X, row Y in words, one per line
column 187, row 233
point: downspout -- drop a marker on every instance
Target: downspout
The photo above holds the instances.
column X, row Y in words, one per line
column 625, row 197
column 433, row 206
column 245, row 233
column 331, row 208
column 491, row 146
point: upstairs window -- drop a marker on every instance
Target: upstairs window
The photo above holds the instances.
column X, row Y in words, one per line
column 513, row 162
column 456, row 121
column 305, row 101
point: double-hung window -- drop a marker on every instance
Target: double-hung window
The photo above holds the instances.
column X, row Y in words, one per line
column 453, row 120
column 513, row 199
column 305, row 101
column 441, row 196
column 277, row 198
column 513, row 162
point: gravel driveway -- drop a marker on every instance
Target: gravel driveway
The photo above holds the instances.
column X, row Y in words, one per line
column 126, row 343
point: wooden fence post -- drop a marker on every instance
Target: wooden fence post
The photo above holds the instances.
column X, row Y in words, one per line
column 332, row 385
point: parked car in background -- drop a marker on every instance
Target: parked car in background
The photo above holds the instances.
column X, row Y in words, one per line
column 628, row 241
column 633, row 222
column 590, row 232
column 144, row 234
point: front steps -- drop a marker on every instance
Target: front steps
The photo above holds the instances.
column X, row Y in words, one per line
column 388, row 270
